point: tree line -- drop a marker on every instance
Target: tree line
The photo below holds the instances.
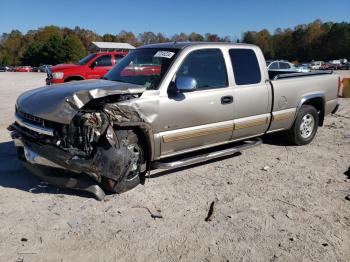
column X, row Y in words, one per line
column 314, row 41
column 54, row 45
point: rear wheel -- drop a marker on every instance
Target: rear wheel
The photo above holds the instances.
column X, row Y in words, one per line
column 129, row 174
column 305, row 126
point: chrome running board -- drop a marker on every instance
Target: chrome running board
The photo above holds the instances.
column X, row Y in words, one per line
column 206, row 156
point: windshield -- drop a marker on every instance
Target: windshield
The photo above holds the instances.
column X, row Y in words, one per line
column 144, row 66
column 85, row 59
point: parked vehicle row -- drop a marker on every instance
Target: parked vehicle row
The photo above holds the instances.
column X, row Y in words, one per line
column 6, row 68
column 42, row 68
column 331, row 66
column 279, row 67
column 341, row 64
column 23, row 69
column 285, row 66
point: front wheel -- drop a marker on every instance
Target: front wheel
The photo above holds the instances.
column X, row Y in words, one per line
column 305, row 126
column 131, row 172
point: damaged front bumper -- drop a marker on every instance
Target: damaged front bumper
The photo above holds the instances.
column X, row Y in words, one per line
column 55, row 166
column 94, row 144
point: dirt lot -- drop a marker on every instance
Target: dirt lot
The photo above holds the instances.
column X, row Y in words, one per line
column 293, row 211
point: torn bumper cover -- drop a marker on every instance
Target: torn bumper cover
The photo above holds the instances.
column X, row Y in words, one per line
column 75, row 128
column 82, row 155
column 56, row 166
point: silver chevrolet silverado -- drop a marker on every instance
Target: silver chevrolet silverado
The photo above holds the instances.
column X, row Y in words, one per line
column 164, row 106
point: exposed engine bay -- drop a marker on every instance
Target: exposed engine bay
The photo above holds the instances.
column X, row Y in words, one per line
column 82, row 135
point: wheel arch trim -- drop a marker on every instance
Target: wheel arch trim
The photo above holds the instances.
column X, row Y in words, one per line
column 309, row 97
column 72, row 76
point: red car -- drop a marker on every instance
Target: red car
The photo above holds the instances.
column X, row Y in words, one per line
column 329, row 66
column 23, row 69
column 93, row 66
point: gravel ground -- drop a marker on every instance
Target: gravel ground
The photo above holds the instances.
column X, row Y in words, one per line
column 292, row 211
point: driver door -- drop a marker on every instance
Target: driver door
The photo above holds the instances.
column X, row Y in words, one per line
column 100, row 67
column 204, row 116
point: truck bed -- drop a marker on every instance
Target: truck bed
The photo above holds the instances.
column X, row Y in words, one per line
column 275, row 75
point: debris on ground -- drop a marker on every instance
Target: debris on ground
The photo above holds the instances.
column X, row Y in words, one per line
column 73, row 223
column 347, row 173
column 331, row 126
column 108, row 208
column 23, row 239
column 265, row 168
column 27, row 253
column 337, row 115
column 210, row 212
column 343, row 191
column 290, row 214
column 154, row 216
column 291, row 204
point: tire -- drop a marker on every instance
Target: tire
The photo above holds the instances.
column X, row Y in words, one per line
column 127, row 141
column 305, row 126
column 70, row 79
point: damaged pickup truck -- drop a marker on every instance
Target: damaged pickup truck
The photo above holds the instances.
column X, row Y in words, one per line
column 164, row 106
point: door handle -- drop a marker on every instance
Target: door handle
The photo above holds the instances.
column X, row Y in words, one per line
column 226, row 100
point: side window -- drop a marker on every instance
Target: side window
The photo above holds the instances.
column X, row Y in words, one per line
column 274, row 66
column 207, row 66
column 284, row 65
column 245, row 66
column 105, row 60
column 118, row 58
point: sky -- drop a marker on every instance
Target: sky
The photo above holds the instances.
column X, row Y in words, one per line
column 223, row 17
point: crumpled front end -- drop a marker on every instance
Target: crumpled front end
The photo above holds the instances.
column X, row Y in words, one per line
column 84, row 150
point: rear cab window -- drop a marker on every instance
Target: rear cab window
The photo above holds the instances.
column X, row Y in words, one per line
column 245, row 66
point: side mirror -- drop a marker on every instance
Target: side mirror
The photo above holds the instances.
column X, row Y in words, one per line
column 92, row 65
column 185, row 84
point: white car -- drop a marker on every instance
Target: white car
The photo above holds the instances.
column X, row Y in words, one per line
column 280, row 65
column 316, row 65
column 303, row 68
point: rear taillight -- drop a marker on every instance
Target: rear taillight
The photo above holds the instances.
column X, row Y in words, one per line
column 339, row 84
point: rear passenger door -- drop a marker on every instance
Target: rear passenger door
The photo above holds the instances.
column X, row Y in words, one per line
column 252, row 95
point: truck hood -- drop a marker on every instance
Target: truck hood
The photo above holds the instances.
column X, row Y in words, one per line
column 60, row 103
column 60, row 67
